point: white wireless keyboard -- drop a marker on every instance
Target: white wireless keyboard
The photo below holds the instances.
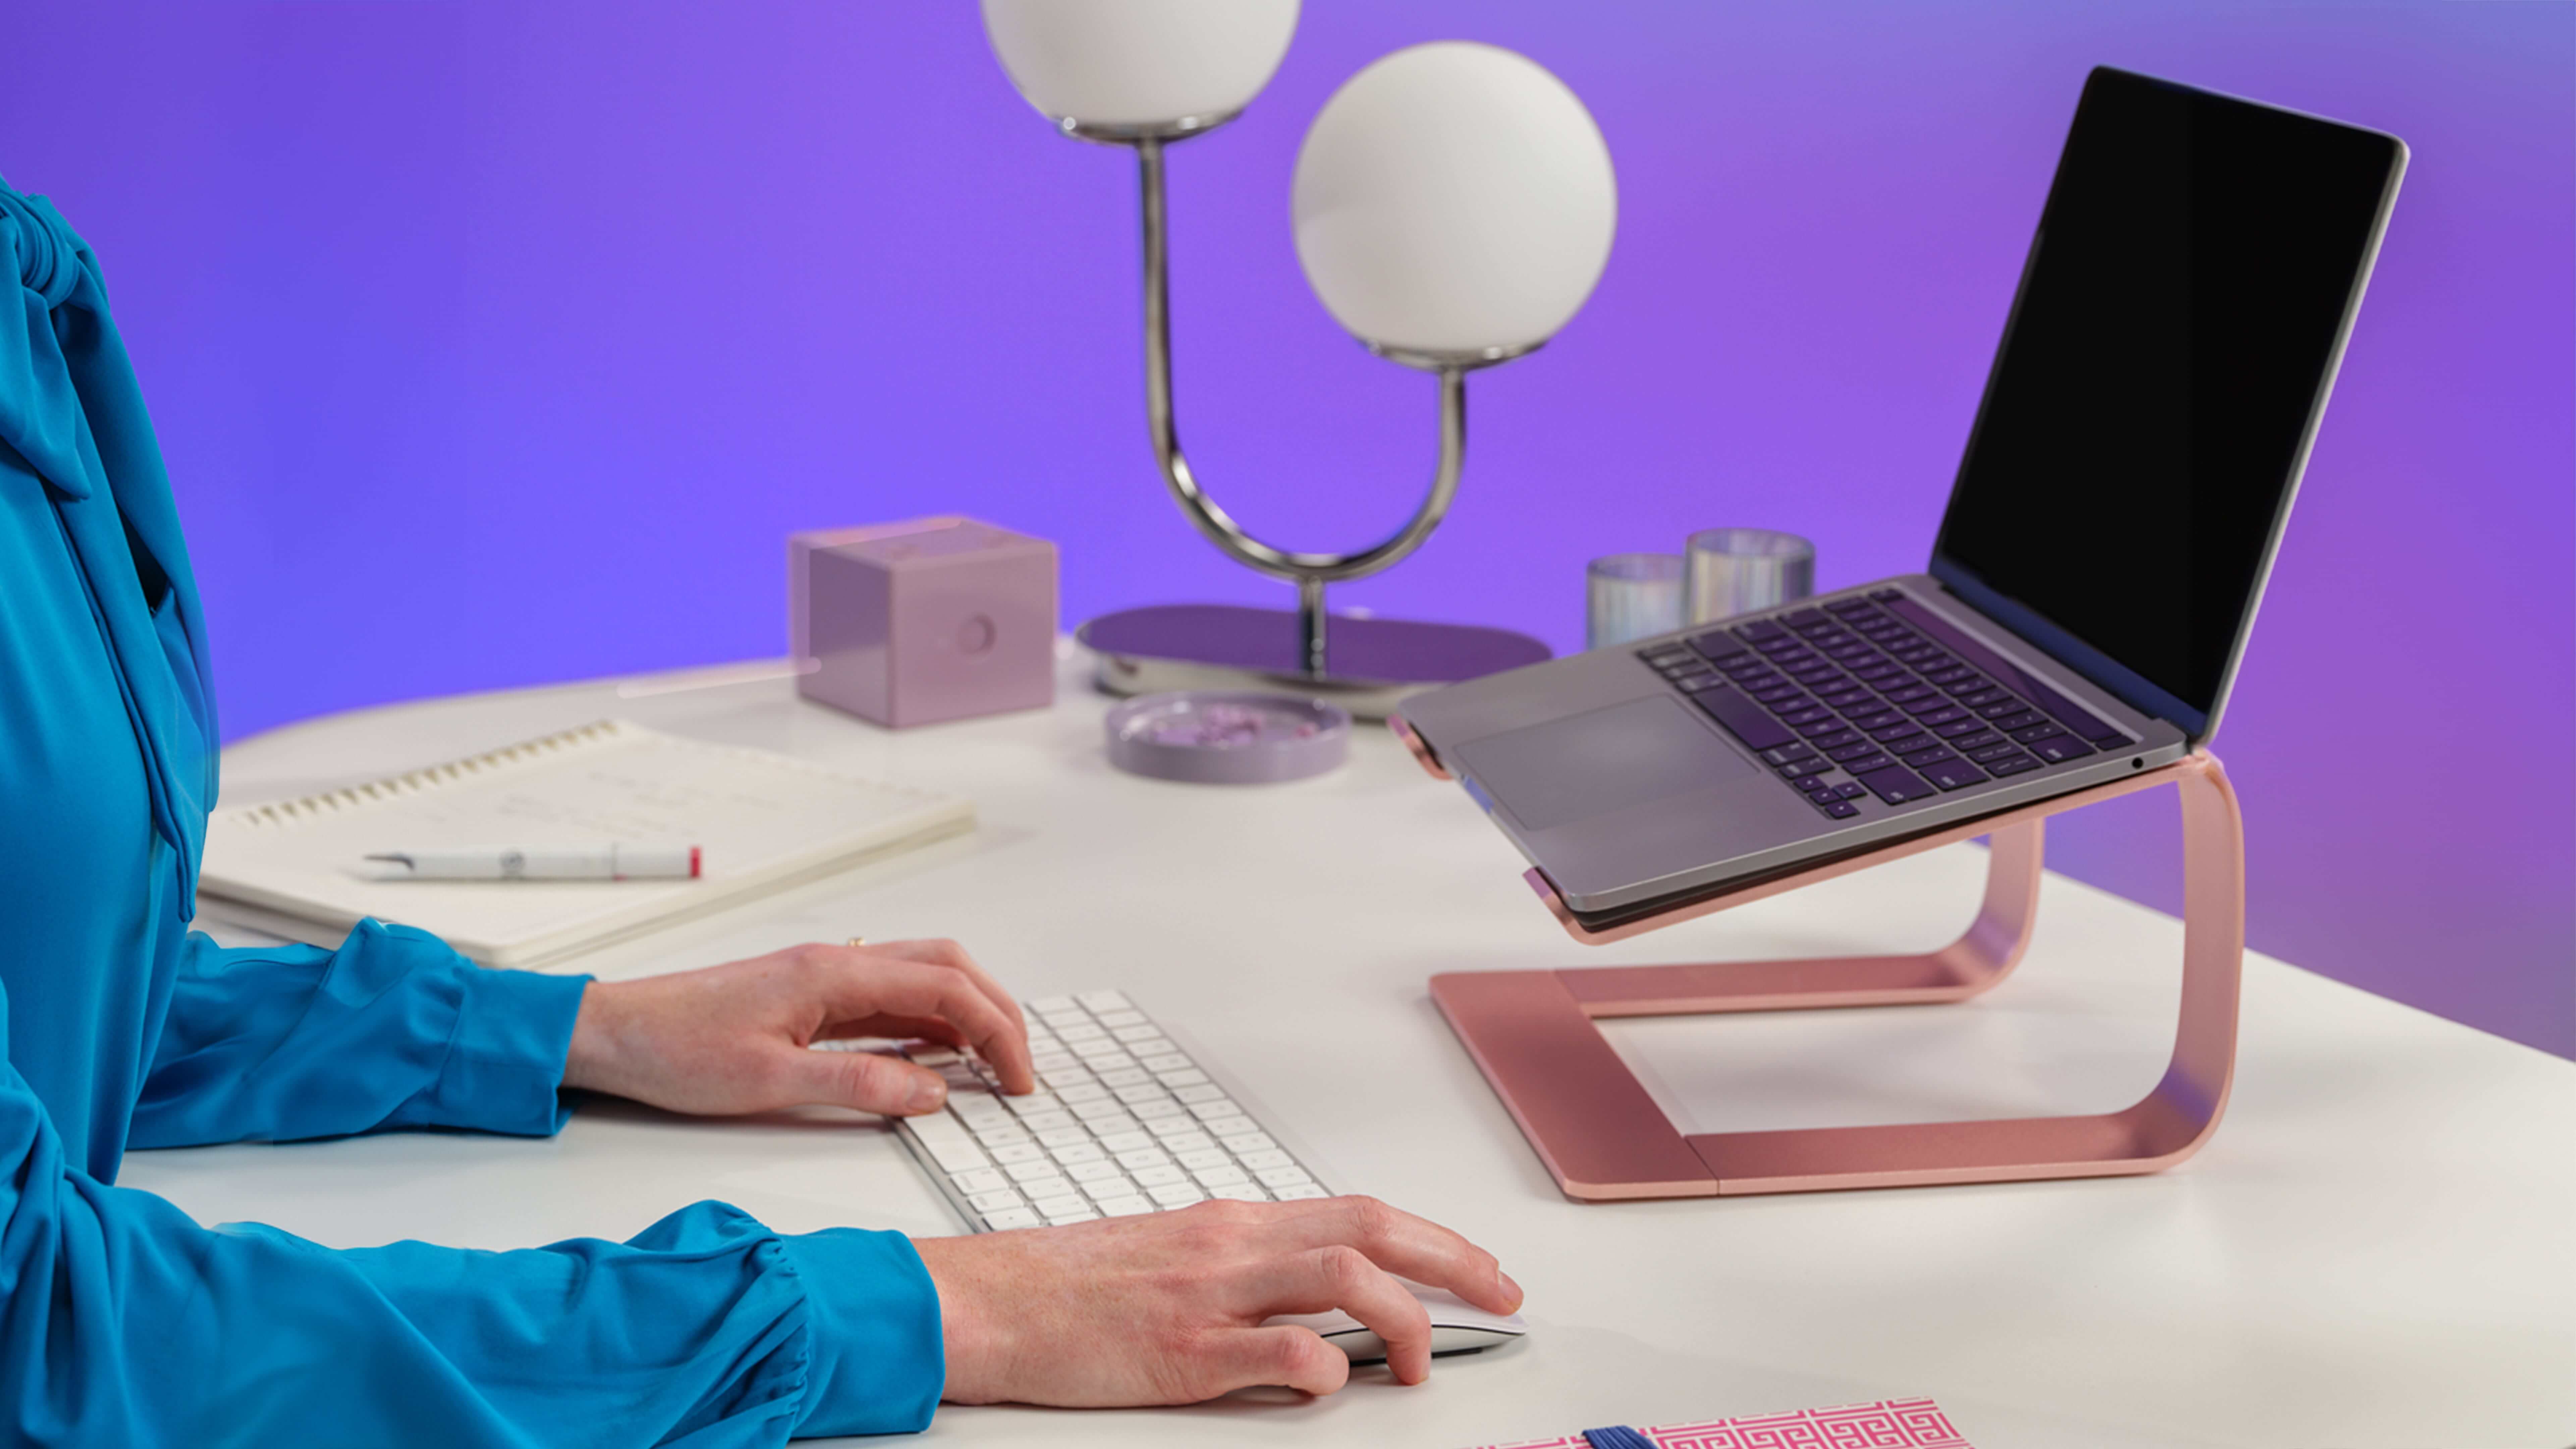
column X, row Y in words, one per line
column 1123, row 1122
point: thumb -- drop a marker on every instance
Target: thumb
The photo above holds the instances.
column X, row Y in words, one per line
column 868, row 1081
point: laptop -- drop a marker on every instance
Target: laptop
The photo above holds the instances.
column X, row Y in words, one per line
column 2162, row 373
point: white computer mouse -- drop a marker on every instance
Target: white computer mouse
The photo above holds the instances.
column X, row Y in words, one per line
column 1457, row 1326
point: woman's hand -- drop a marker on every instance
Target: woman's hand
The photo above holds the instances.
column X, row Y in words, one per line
column 1167, row 1308
column 736, row 1038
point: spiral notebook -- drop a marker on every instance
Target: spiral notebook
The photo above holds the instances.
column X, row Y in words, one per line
column 766, row 821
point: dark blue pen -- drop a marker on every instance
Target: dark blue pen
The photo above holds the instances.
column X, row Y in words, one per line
column 1617, row 1436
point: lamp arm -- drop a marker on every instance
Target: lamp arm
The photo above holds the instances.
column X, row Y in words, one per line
column 1309, row 571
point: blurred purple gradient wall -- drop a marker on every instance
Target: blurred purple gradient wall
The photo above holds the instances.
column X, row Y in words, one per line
column 497, row 343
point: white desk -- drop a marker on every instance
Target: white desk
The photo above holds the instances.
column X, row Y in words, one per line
column 2378, row 1248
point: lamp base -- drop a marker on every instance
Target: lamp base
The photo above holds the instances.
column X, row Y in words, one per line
column 1373, row 665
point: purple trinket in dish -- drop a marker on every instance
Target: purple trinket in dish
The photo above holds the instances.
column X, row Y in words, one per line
column 1226, row 737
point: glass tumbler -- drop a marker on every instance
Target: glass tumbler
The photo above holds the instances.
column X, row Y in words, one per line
column 1631, row 596
column 1738, row 570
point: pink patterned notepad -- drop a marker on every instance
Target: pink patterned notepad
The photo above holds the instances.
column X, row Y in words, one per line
column 1887, row 1424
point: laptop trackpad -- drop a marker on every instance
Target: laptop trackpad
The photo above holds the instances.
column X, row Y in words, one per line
column 1592, row 764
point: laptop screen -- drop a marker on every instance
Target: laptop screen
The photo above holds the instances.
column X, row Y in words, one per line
column 2161, row 373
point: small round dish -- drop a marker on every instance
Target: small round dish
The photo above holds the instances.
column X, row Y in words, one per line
column 1227, row 737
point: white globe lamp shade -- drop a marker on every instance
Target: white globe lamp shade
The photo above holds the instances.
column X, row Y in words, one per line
column 1454, row 203
column 1114, row 69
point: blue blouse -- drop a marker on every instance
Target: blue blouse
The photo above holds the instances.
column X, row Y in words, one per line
column 124, row 1322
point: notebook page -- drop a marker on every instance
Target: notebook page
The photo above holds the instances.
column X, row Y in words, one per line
column 763, row 820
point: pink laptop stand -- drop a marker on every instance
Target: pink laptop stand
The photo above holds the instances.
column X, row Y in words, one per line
column 1603, row 1137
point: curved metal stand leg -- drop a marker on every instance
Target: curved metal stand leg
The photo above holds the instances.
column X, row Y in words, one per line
column 1602, row 1135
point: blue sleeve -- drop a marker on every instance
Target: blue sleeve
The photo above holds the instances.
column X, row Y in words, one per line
column 393, row 1029
column 123, row 1322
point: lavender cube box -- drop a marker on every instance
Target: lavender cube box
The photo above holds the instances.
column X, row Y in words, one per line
column 932, row 619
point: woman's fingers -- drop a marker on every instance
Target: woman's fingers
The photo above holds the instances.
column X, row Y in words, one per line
column 1401, row 1243
column 849, row 984
column 1340, row 1276
column 1280, row 1353
column 869, row 1081
column 949, row 953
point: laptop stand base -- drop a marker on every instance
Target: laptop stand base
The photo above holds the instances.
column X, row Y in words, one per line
column 1603, row 1137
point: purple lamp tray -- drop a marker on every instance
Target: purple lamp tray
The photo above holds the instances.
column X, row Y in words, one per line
column 1227, row 737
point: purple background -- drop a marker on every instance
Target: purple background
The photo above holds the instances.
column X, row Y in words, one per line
column 496, row 343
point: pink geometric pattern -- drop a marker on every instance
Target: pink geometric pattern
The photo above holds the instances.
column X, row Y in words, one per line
column 1886, row 1424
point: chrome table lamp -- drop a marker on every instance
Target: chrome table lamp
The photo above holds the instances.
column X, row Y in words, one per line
column 1453, row 206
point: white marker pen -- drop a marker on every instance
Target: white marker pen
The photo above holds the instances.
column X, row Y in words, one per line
column 545, row 862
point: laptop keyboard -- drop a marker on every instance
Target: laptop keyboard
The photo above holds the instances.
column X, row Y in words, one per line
column 1877, row 695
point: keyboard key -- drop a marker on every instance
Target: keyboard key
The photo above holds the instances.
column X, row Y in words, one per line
column 1271, row 1157
column 1127, row 1207
column 1006, row 1219
column 1896, row 731
column 1773, row 693
column 1175, row 1195
column 1111, row 1183
column 1857, row 750
column 1896, row 785
column 1931, row 755
column 994, row 1201
column 2036, row 732
column 1146, row 1032
column 1717, row 645
column 1153, row 1112
column 1846, row 697
column 1224, row 1174
column 1276, row 1178
column 1154, row 1177
column 1795, row 768
column 1823, row 722
column 984, row 1179
column 1905, row 695
column 1045, row 1004
column 1908, row 744
column 1958, row 729
column 1960, row 689
column 1823, row 795
column 2022, row 720
column 1694, row 683
column 1018, row 1152
column 1104, row 1001
column 1095, row 1112
column 2003, row 708
column 1125, row 1077
column 1205, row 1091
column 1085, row 1154
column 1163, row 1062
column 1071, row 1097
column 1946, row 714
column 1300, row 1192
column 1744, row 719
column 1842, row 810
column 1025, row 1173
column 1247, row 1141
column 1991, row 694
column 1204, row 1157
column 1143, row 1092
column 1866, row 763
column 2057, row 749
column 1139, row 1158
column 1062, row 1220
column 1851, row 789
column 1804, row 618
column 1177, row 1122
column 1953, row 774
column 1993, row 751
column 1834, row 739
column 1126, row 1141
column 2011, row 765
column 1806, row 782
column 1952, row 675
column 1226, row 1129
column 1216, row 1109
column 955, row 1155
